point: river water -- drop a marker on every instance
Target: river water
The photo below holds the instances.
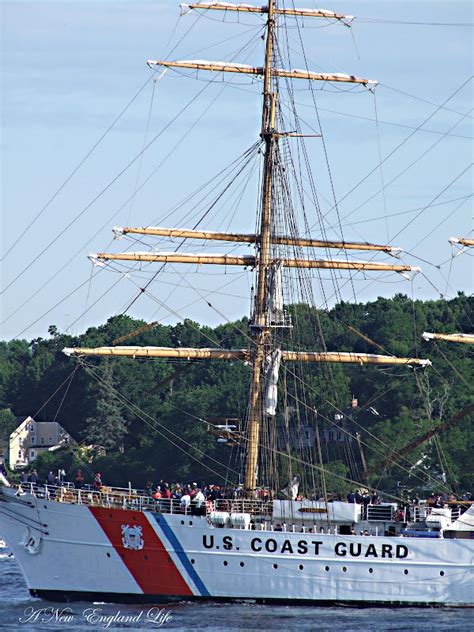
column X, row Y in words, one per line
column 19, row 611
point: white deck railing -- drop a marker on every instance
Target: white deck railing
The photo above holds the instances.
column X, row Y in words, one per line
column 129, row 498
column 140, row 500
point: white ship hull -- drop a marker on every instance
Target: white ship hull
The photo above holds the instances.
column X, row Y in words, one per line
column 73, row 551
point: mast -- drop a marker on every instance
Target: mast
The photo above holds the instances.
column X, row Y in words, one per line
column 262, row 356
column 260, row 329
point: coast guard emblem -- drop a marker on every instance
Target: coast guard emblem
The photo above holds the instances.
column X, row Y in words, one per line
column 132, row 537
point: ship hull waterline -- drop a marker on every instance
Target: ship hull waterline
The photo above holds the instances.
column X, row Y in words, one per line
column 70, row 552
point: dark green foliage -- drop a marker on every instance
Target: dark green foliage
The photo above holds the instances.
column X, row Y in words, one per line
column 8, row 423
column 336, row 472
column 158, row 416
column 64, row 459
column 107, row 427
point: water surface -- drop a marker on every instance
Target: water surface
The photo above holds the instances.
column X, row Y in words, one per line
column 19, row 611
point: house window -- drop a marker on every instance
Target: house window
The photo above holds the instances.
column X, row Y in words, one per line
column 32, row 454
column 19, row 454
column 42, row 439
column 32, row 438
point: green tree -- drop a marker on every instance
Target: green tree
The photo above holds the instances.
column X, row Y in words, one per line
column 8, row 423
column 107, row 427
column 163, row 432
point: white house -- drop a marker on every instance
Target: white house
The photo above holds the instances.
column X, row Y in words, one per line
column 31, row 438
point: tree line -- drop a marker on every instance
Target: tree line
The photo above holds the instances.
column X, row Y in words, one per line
column 149, row 416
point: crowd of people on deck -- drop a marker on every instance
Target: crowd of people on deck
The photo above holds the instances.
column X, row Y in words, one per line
column 364, row 498
column 51, row 478
column 191, row 493
column 198, row 495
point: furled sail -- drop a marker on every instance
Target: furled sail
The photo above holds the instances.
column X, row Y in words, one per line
column 271, row 375
column 186, row 7
column 466, row 338
column 274, row 302
column 246, row 69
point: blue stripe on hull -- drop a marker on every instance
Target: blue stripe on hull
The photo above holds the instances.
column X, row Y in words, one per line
column 175, row 543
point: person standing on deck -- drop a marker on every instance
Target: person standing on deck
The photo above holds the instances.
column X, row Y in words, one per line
column 79, row 479
column 98, row 482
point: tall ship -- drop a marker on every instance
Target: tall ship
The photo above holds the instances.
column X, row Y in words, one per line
column 258, row 542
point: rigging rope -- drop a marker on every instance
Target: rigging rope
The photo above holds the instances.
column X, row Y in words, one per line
column 139, row 168
column 382, row 181
column 391, row 153
column 74, row 171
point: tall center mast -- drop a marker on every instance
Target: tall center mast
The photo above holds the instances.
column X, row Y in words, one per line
column 263, row 358
column 261, row 329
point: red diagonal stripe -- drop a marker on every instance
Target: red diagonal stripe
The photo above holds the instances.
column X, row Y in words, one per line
column 152, row 567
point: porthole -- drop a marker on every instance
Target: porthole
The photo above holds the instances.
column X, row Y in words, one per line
column 405, row 572
column 182, row 521
column 441, row 573
column 301, row 567
column 190, row 522
column 275, row 566
column 326, row 568
column 108, row 554
column 242, row 563
column 145, row 557
column 371, row 570
column 192, row 561
column 225, row 562
column 344, row 569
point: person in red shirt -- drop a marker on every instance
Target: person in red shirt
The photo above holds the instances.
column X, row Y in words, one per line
column 98, row 482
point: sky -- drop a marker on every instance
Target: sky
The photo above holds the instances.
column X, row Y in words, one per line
column 69, row 68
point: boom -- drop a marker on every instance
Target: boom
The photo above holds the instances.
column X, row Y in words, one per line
column 399, row 454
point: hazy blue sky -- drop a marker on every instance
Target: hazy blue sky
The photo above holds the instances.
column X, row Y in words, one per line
column 68, row 69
